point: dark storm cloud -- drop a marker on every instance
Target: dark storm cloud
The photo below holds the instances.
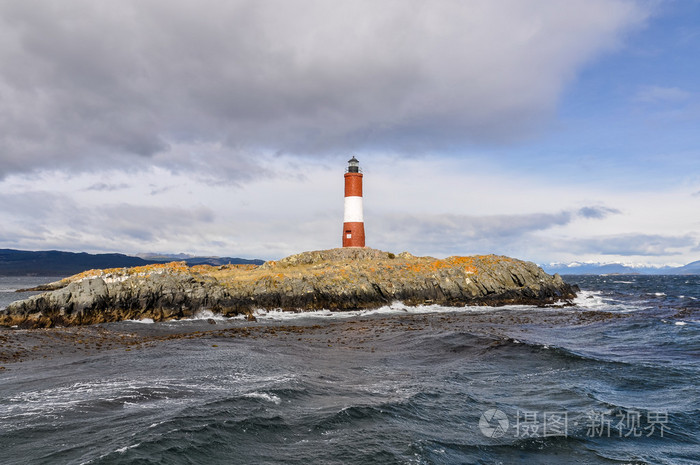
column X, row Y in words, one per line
column 87, row 84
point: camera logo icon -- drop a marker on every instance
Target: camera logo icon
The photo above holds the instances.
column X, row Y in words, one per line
column 493, row 423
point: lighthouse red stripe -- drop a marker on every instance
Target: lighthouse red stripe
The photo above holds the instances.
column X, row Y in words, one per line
column 353, row 234
column 353, row 184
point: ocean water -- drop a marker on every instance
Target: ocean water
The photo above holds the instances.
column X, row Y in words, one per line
column 10, row 284
column 614, row 379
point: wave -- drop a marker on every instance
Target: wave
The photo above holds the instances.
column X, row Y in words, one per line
column 592, row 300
column 551, row 350
column 91, row 396
column 206, row 314
column 264, row 396
column 396, row 308
column 596, row 356
column 183, row 439
column 101, row 395
column 600, row 301
column 143, row 320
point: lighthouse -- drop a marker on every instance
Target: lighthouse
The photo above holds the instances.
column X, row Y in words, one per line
column 353, row 223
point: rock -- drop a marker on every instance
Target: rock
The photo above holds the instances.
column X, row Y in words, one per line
column 336, row 279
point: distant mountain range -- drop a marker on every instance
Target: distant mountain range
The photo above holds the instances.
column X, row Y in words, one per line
column 618, row 268
column 56, row 263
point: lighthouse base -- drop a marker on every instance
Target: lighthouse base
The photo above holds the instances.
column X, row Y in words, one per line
column 353, row 234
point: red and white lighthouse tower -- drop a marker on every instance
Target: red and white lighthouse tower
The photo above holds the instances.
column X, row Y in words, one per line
column 353, row 223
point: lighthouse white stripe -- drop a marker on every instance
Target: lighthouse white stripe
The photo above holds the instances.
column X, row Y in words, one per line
column 353, row 210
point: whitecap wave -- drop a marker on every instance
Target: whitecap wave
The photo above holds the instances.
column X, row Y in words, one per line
column 206, row 314
column 122, row 450
column 592, row 300
column 596, row 300
column 143, row 320
column 396, row 308
column 264, row 396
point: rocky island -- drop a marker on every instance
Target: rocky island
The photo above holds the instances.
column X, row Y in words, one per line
column 335, row 279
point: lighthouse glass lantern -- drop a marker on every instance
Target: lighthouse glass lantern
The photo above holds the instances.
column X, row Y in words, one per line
column 353, row 221
column 353, row 165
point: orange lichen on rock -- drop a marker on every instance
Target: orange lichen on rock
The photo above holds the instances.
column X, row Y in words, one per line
column 426, row 265
column 469, row 264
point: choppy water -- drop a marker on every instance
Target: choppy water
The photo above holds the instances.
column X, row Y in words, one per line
column 427, row 385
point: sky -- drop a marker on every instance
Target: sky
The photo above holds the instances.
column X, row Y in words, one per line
column 544, row 130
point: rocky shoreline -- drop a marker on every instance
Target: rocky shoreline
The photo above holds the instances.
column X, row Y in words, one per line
column 335, row 279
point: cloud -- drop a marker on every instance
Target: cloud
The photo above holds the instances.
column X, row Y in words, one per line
column 634, row 245
column 39, row 203
column 658, row 94
column 461, row 234
column 598, row 212
column 45, row 220
column 146, row 224
column 103, row 186
column 526, row 235
column 89, row 85
column 440, row 230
